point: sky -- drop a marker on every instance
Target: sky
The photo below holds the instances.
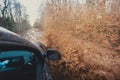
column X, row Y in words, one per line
column 32, row 8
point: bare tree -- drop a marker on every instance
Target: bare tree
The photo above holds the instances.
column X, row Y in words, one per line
column 13, row 16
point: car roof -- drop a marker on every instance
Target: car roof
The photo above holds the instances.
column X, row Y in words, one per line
column 7, row 37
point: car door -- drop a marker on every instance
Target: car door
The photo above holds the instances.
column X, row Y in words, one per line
column 17, row 65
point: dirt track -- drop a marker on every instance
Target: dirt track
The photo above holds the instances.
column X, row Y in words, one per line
column 33, row 34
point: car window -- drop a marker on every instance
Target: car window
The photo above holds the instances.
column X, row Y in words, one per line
column 17, row 65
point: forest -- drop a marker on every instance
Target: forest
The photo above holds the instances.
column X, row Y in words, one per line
column 13, row 16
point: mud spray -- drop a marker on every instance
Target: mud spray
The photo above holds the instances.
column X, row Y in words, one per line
column 88, row 39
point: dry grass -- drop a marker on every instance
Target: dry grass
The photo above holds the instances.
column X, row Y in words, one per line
column 88, row 39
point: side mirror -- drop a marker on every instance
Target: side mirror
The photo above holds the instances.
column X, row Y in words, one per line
column 53, row 54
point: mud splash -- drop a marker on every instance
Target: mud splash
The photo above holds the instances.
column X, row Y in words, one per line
column 83, row 60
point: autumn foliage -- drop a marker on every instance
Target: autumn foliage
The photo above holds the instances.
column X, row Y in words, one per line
column 87, row 33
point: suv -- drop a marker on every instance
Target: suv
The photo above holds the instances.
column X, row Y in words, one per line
column 21, row 59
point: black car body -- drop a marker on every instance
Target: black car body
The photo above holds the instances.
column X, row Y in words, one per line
column 21, row 59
